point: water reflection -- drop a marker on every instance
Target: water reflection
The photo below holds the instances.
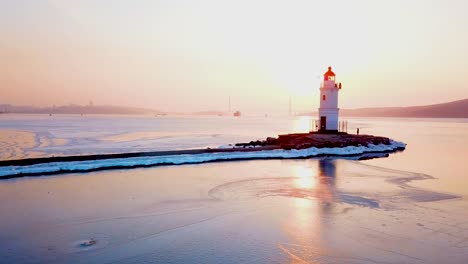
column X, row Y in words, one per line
column 315, row 180
column 306, row 177
column 302, row 124
column 310, row 216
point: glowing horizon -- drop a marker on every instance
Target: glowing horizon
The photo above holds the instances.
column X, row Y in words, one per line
column 187, row 56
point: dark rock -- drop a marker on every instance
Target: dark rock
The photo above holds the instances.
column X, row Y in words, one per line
column 88, row 243
column 318, row 140
column 271, row 141
column 287, row 146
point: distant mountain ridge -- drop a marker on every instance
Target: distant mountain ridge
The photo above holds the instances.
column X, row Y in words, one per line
column 78, row 109
column 455, row 109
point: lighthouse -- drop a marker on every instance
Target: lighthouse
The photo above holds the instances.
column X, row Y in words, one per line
column 328, row 111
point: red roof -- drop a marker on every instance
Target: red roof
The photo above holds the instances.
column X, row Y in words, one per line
column 329, row 72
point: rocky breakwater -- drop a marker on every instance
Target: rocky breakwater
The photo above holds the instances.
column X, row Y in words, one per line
column 289, row 146
column 318, row 140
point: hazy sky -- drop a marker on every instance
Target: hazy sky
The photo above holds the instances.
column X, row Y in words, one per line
column 191, row 55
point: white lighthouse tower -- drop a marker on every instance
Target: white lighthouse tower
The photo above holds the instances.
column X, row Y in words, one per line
column 328, row 111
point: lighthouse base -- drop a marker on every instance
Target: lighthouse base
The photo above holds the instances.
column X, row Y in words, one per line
column 327, row 131
column 328, row 119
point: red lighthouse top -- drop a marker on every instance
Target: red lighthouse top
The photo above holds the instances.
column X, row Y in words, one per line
column 329, row 75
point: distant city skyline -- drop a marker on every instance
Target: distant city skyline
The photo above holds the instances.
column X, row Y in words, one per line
column 193, row 55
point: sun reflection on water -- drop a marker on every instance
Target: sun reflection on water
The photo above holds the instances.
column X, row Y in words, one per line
column 306, row 177
column 302, row 124
column 313, row 180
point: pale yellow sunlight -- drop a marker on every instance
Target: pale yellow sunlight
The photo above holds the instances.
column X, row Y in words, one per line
column 193, row 55
column 306, row 177
column 302, row 124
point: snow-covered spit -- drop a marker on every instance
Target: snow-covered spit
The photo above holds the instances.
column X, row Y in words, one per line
column 147, row 161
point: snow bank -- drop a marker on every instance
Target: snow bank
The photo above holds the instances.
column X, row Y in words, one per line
column 90, row 165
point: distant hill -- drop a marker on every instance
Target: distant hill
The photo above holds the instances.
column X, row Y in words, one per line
column 209, row 112
column 455, row 109
column 78, row 109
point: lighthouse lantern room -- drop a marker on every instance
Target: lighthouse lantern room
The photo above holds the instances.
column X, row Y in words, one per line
column 328, row 111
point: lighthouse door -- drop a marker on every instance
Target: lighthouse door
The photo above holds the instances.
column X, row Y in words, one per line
column 323, row 123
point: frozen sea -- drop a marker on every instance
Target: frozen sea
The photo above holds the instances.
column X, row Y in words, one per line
column 410, row 207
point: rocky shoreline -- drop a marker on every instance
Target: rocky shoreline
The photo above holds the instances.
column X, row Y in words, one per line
column 291, row 146
column 314, row 139
column 296, row 141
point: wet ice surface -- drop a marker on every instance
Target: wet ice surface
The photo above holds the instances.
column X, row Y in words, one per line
column 28, row 136
column 266, row 211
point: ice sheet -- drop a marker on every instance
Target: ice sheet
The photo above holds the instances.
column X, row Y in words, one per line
column 84, row 166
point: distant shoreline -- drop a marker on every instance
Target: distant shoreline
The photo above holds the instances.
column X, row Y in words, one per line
column 454, row 109
column 245, row 116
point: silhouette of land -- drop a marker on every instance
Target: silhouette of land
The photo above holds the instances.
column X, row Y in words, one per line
column 455, row 109
column 75, row 109
column 78, row 109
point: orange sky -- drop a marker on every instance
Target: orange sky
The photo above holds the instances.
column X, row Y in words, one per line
column 192, row 55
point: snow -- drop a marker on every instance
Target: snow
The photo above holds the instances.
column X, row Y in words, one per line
column 228, row 146
column 89, row 165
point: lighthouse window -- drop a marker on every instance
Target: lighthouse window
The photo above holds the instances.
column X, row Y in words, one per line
column 324, row 97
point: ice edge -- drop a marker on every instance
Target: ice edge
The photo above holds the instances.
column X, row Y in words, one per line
column 122, row 163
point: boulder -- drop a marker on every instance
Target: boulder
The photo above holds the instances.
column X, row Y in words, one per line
column 271, row 141
column 307, row 140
